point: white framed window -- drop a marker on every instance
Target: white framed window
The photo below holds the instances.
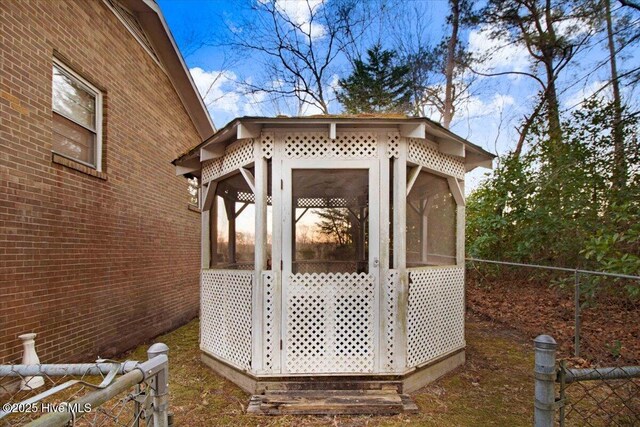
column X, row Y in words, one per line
column 77, row 117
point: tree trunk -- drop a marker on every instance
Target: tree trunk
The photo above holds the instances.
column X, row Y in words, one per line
column 526, row 126
column 619, row 167
column 551, row 94
column 553, row 108
column 447, row 113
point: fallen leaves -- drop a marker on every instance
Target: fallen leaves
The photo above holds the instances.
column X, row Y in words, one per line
column 610, row 325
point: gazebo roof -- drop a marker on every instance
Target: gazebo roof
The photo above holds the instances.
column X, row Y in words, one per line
column 411, row 127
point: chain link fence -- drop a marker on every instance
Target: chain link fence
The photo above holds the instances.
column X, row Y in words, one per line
column 594, row 315
column 599, row 396
column 105, row 393
column 604, row 396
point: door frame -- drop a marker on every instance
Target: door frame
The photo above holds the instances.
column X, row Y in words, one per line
column 287, row 216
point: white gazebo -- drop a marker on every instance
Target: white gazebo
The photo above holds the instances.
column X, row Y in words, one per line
column 332, row 250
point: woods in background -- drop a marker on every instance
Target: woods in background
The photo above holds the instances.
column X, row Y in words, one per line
column 562, row 205
column 569, row 194
column 567, row 191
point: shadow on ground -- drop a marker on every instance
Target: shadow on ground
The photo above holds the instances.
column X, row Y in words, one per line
column 495, row 387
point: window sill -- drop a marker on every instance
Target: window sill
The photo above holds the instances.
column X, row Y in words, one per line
column 194, row 208
column 71, row 164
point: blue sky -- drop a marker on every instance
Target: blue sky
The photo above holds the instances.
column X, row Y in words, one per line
column 488, row 118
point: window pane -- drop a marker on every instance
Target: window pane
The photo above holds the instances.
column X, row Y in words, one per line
column 71, row 99
column 331, row 221
column 73, row 140
column 431, row 222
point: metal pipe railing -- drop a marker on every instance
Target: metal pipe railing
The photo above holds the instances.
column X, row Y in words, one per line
column 78, row 370
column 548, row 267
column 590, row 374
column 154, row 372
column 91, row 401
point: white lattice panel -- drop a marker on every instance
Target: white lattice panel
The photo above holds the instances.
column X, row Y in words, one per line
column 393, row 142
column 242, row 196
column 423, row 153
column 435, row 317
column 238, row 154
column 320, row 202
column 330, row 323
column 225, row 324
column 269, row 339
column 347, row 145
column 390, row 315
column 211, row 169
column 266, row 145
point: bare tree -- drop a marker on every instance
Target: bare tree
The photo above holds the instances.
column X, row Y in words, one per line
column 296, row 44
column 439, row 74
column 409, row 25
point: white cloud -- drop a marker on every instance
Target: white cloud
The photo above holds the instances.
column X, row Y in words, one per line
column 218, row 90
column 226, row 97
column 476, row 107
column 300, row 13
column 572, row 28
column 222, row 94
column 501, row 55
column 255, row 105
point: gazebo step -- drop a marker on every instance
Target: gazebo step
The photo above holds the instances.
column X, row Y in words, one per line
column 335, row 384
column 331, row 402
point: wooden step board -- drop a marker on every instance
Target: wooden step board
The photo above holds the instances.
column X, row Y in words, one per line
column 331, row 402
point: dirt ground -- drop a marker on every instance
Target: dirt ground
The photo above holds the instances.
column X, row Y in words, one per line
column 493, row 388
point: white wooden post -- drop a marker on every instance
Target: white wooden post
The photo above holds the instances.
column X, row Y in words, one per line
column 212, row 241
column 260, row 251
column 230, row 208
column 287, row 247
column 374, row 255
column 205, row 247
column 460, row 239
column 400, row 249
column 276, row 248
column 383, row 246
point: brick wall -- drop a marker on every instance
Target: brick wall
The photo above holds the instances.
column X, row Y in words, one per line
column 93, row 265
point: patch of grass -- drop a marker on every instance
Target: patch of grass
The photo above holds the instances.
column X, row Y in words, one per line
column 495, row 387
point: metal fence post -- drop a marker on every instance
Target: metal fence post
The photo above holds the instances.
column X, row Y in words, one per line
column 545, row 378
column 160, row 388
column 576, row 298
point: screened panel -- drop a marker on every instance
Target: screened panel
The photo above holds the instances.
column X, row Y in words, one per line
column 330, row 220
column 234, row 215
column 233, row 223
column 431, row 222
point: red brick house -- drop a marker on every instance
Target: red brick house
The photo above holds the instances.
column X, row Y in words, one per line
column 99, row 249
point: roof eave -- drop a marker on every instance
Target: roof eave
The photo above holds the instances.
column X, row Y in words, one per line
column 155, row 27
column 246, row 127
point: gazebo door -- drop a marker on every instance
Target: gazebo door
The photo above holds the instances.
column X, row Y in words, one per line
column 330, row 266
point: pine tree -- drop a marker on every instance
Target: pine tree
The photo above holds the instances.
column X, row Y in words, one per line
column 377, row 86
